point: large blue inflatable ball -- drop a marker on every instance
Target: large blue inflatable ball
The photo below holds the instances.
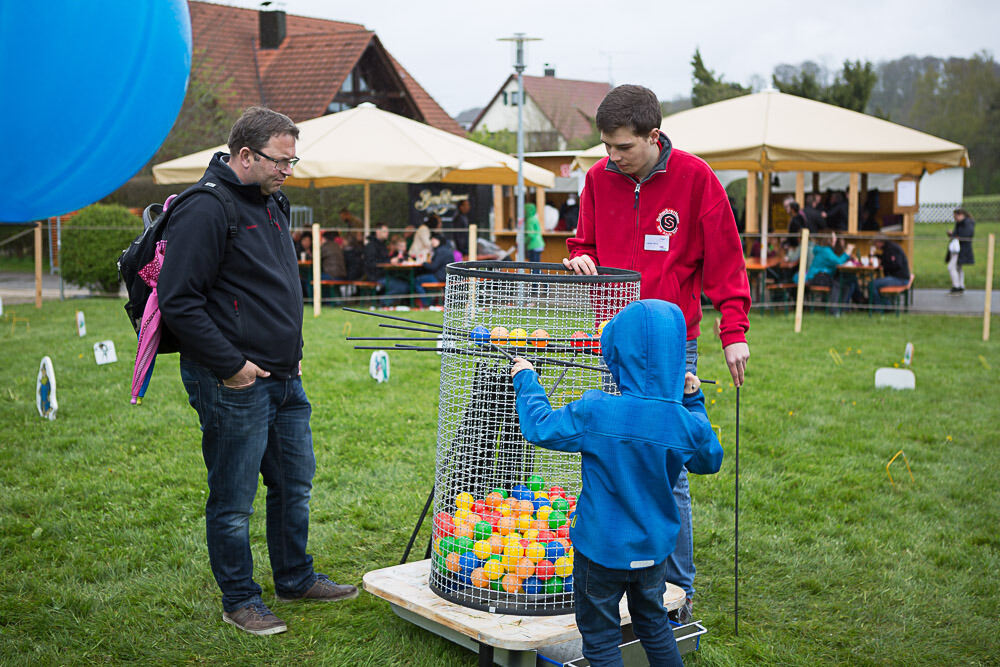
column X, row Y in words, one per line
column 91, row 89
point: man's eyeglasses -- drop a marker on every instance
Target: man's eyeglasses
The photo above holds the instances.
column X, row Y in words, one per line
column 279, row 165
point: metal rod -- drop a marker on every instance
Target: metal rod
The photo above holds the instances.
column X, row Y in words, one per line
column 387, row 338
column 392, row 317
column 558, row 380
column 397, row 326
column 736, row 531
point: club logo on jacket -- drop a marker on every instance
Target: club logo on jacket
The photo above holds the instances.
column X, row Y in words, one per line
column 667, row 221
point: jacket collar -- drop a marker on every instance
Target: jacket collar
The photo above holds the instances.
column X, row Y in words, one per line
column 219, row 168
column 661, row 162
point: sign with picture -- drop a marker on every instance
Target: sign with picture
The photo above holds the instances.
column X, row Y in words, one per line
column 45, row 390
column 81, row 324
column 378, row 366
column 104, row 352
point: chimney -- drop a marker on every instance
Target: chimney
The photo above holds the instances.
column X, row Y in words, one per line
column 272, row 28
column 549, row 70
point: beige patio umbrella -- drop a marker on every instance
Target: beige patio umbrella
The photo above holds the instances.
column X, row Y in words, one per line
column 367, row 145
column 772, row 131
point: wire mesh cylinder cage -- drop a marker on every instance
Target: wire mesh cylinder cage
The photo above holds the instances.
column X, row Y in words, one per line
column 502, row 506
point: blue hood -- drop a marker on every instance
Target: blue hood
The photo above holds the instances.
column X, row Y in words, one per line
column 644, row 348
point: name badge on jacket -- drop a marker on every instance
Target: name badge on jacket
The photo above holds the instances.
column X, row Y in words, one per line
column 657, row 242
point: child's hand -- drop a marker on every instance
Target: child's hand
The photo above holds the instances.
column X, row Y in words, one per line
column 691, row 383
column 520, row 365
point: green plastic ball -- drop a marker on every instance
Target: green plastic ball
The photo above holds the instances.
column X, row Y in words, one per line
column 556, row 519
column 536, row 482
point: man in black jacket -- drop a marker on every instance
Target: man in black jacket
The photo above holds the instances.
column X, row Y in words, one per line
column 377, row 252
column 234, row 303
column 895, row 269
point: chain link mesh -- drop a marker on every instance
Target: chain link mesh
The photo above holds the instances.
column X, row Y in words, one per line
column 502, row 507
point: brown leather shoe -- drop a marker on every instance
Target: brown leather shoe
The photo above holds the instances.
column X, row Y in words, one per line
column 325, row 590
column 256, row 619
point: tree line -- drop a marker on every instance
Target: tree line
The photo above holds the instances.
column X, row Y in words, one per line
column 957, row 99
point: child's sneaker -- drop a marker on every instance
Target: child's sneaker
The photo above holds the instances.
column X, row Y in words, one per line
column 256, row 619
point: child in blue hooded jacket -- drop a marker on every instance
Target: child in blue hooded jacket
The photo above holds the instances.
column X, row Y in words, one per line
column 632, row 448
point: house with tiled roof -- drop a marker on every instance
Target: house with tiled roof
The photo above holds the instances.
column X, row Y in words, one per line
column 304, row 67
column 557, row 112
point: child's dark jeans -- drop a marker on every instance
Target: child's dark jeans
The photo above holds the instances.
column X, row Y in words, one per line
column 598, row 591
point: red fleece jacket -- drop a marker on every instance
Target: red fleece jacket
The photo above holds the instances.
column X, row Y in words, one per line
column 676, row 229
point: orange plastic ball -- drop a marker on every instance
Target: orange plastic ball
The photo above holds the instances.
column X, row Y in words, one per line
column 511, row 583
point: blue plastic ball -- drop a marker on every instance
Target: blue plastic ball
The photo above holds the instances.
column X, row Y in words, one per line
column 468, row 562
column 554, row 550
column 533, row 586
column 540, row 503
column 568, row 584
column 92, row 90
column 521, row 492
column 479, row 335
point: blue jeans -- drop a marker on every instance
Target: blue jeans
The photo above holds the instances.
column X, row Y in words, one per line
column 598, row 591
column 261, row 430
column 420, row 280
column 885, row 281
column 680, row 564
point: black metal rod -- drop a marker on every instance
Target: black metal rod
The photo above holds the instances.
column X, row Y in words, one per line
column 392, row 317
column 416, row 529
column 736, row 531
column 397, row 326
column 388, row 338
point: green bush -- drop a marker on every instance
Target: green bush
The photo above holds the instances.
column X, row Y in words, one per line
column 91, row 243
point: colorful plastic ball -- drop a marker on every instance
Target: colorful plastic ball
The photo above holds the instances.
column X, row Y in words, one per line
column 525, row 567
column 482, row 530
column 518, row 337
column 463, row 544
column 533, row 586
column 469, row 561
column 524, row 522
column 524, row 542
column 556, row 519
column 479, row 335
column 535, row 551
column 472, row 519
column 492, row 517
column 568, row 584
column 499, row 335
column 496, row 543
column 564, row 542
column 543, row 513
column 545, row 569
column 440, row 563
column 564, row 566
column 563, row 531
column 546, row 536
column 560, row 504
column 446, row 545
column 493, row 500
column 452, row 562
column 482, row 549
column 507, row 525
column 557, row 492
column 460, row 516
column 521, row 492
column 600, row 327
column 511, row 583
column 464, row 530
column 554, row 551
column 479, row 507
column 554, row 585
column 512, row 538
column 580, row 339
column 503, row 492
column 497, row 585
column 536, row 482
column 463, row 501
column 511, row 554
column 542, row 495
column 531, row 535
column 479, row 578
column 524, row 507
column 443, row 524
column 539, row 337
column 493, row 569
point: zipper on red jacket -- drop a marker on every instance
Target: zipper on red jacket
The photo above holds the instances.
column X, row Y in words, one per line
column 635, row 207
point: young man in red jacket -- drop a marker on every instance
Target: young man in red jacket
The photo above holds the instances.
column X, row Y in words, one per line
column 662, row 212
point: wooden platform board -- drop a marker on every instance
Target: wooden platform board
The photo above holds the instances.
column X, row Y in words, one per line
column 406, row 586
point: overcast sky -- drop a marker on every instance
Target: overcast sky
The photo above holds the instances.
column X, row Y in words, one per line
column 451, row 46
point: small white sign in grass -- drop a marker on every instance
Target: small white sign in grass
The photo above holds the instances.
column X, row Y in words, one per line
column 81, row 324
column 104, row 352
column 45, row 390
column 895, row 378
column 378, row 366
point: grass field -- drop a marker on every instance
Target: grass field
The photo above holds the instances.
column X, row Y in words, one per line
column 102, row 554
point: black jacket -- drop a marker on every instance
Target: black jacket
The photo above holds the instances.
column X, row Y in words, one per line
column 894, row 262
column 376, row 252
column 443, row 255
column 232, row 300
column 964, row 231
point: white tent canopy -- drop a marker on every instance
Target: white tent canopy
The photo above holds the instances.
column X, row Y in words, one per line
column 772, row 131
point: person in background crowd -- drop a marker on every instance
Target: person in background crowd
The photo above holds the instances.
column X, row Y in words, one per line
column 332, row 258
column 895, row 267
column 377, row 252
column 813, row 212
column 435, row 269
column 460, row 237
column 551, row 219
column 960, row 249
column 569, row 213
column 836, row 214
column 420, row 248
column 828, row 254
column 534, row 244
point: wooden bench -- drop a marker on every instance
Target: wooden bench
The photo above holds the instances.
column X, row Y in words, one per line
column 436, row 290
column 894, row 292
column 782, row 293
column 327, row 286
